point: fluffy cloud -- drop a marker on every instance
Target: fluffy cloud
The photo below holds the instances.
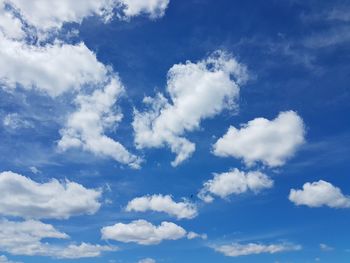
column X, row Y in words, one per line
column 14, row 121
column 147, row 260
column 236, row 249
column 234, row 182
column 163, row 203
column 10, row 25
column 52, row 69
column 319, row 194
column 271, row 142
column 20, row 196
column 25, row 238
column 197, row 91
column 85, row 128
column 193, row 235
column 154, row 8
column 143, row 232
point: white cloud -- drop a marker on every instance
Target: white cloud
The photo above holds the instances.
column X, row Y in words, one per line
column 52, row 69
column 236, row 249
column 20, row 196
column 25, row 238
column 319, row 194
column 147, row 260
column 234, row 182
column 4, row 259
column 85, row 127
column 325, row 247
column 271, row 142
column 10, row 25
column 143, row 232
column 154, row 8
column 163, row 203
column 193, row 235
column 14, row 121
column 197, row 91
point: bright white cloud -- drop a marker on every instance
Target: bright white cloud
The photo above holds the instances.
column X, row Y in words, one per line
column 234, row 182
column 10, row 25
column 319, row 194
column 236, row 249
column 271, row 142
column 147, row 260
column 25, row 238
column 20, row 196
column 143, row 232
column 197, row 91
column 86, row 127
column 52, row 69
column 163, row 203
column 154, row 8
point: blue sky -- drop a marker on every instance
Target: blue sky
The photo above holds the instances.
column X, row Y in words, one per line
column 239, row 153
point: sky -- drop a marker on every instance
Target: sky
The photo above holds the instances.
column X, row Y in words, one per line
column 144, row 131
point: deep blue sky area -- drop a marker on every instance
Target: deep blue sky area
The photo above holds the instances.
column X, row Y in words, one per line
column 297, row 55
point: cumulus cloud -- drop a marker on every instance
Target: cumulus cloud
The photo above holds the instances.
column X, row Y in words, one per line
column 154, row 8
column 319, row 194
column 271, row 142
column 234, row 182
column 86, row 127
column 52, row 69
column 14, row 121
column 193, row 235
column 23, row 197
column 163, row 203
column 147, row 260
column 236, row 249
column 143, row 232
column 197, row 91
column 25, row 238
column 10, row 25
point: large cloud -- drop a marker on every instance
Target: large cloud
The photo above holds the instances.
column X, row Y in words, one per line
column 20, row 196
column 271, row 142
column 96, row 113
column 197, row 91
column 25, row 238
column 236, row 249
column 143, row 232
column 52, row 69
column 51, row 15
column 163, row 203
column 319, row 194
column 234, row 182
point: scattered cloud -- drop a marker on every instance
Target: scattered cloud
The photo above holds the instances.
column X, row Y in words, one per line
column 26, row 198
column 14, row 121
column 197, row 91
column 4, row 259
column 154, row 8
column 163, row 203
column 234, row 182
column 143, row 232
column 325, row 247
column 271, row 142
column 147, row 260
column 86, row 127
column 236, row 249
column 25, row 238
column 319, row 194
column 193, row 235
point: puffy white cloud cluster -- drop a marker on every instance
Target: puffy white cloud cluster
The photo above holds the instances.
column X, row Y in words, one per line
column 25, row 238
column 143, row 232
column 234, row 182
column 163, row 203
column 270, row 142
column 236, row 249
column 23, row 197
column 85, row 128
column 197, row 91
column 154, row 8
column 319, row 194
